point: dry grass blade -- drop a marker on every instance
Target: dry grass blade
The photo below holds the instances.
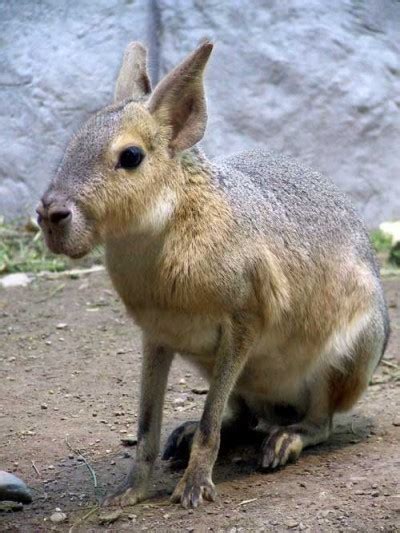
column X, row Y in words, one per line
column 35, row 468
column 82, row 520
column 92, row 472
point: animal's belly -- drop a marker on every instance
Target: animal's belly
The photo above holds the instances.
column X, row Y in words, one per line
column 276, row 369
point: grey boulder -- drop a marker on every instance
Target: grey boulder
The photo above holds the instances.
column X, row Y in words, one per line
column 13, row 489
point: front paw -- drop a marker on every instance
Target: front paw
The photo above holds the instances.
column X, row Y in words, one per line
column 192, row 489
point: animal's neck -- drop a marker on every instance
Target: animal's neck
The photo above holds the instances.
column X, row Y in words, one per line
column 195, row 162
column 187, row 199
column 168, row 266
column 177, row 207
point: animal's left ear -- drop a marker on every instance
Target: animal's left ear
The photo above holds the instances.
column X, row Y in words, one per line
column 178, row 101
column 133, row 80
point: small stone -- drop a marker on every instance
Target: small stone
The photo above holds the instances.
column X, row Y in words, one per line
column 199, row 390
column 13, row 489
column 129, row 440
column 396, row 421
column 179, row 401
column 109, row 518
column 15, row 280
column 10, row 507
column 61, row 325
column 393, row 503
column 325, row 513
column 291, row 523
column 58, row 517
column 43, row 406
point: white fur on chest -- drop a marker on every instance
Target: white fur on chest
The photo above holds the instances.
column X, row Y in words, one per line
column 155, row 218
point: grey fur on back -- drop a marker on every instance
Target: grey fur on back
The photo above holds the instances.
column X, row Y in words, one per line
column 273, row 195
column 301, row 210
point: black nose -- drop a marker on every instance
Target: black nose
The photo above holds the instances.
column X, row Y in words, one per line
column 57, row 215
column 53, row 214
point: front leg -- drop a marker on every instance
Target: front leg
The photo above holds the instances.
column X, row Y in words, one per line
column 155, row 369
column 196, row 484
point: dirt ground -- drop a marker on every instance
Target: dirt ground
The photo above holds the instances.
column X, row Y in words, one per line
column 69, row 379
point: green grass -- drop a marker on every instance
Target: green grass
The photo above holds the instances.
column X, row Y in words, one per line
column 394, row 256
column 382, row 244
column 22, row 249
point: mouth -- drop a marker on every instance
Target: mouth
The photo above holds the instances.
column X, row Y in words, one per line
column 69, row 247
column 72, row 242
column 78, row 255
column 65, row 227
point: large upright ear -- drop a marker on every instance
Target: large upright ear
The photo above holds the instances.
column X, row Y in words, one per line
column 178, row 100
column 133, row 80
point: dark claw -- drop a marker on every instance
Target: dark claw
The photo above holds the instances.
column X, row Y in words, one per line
column 192, row 491
column 280, row 447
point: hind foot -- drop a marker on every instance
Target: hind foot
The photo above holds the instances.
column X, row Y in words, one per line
column 280, row 447
column 284, row 444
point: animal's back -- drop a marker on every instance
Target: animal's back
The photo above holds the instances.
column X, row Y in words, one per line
column 275, row 196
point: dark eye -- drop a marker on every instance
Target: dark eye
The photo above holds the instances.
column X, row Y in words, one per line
column 131, row 157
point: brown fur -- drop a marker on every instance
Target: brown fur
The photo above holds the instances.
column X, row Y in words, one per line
column 276, row 304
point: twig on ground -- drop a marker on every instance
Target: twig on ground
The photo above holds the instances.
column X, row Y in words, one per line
column 35, row 468
column 77, row 272
column 244, row 502
column 391, row 365
column 359, row 435
column 52, row 293
column 78, row 452
column 81, row 520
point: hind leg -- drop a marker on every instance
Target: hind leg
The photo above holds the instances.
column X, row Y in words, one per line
column 237, row 424
column 337, row 391
column 284, row 443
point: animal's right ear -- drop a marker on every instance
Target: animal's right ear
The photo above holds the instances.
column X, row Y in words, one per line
column 178, row 101
column 133, row 80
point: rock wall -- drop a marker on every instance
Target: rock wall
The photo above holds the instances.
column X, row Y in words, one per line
column 317, row 80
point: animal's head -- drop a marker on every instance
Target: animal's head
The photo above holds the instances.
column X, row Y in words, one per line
column 120, row 165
